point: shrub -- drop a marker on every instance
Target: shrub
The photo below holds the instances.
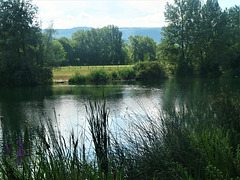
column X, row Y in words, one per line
column 97, row 76
column 77, row 79
column 123, row 74
column 114, row 75
column 214, row 145
column 149, row 70
column 29, row 76
column 127, row 74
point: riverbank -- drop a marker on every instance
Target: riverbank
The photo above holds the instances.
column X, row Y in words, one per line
column 63, row 74
column 151, row 70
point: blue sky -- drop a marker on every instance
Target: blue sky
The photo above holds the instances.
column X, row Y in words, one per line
column 99, row 13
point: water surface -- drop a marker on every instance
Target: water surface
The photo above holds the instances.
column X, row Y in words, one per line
column 25, row 108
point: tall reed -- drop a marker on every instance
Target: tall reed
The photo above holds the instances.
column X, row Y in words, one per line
column 184, row 141
column 97, row 117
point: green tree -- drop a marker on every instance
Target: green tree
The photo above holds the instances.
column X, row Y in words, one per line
column 94, row 46
column 232, row 51
column 213, row 38
column 70, row 58
column 99, row 46
column 58, row 53
column 21, row 58
column 142, row 48
column 196, row 36
column 54, row 52
column 183, row 24
column 167, row 54
column 125, row 51
column 80, row 46
column 111, row 45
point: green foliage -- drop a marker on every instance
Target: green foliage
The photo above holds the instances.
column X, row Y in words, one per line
column 227, row 112
column 98, row 46
column 201, row 38
column 58, row 52
column 54, row 52
column 98, row 76
column 149, row 70
column 21, row 46
column 114, row 75
column 180, row 34
column 237, row 159
column 95, row 76
column 41, row 75
column 214, row 173
column 215, row 146
column 77, row 79
column 108, row 46
column 97, row 117
column 142, row 71
column 186, row 143
column 142, row 48
column 67, row 45
column 102, row 75
column 126, row 74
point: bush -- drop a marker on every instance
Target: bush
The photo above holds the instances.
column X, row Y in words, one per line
column 149, row 70
column 141, row 71
column 114, row 75
column 97, row 76
column 127, row 74
column 122, row 74
column 29, row 76
column 77, row 79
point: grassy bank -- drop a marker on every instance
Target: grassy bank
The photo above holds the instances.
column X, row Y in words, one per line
column 151, row 70
column 184, row 140
column 103, row 76
column 64, row 73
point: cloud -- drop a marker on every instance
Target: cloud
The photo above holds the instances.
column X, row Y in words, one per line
column 149, row 6
column 68, row 14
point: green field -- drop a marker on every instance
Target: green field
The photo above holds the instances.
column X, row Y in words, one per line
column 64, row 73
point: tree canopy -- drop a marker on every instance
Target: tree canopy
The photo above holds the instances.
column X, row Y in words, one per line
column 201, row 38
column 98, row 46
column 21, row 46
column 142, row 48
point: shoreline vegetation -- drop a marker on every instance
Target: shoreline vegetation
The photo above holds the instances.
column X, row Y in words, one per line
column 180, row 142
column 203, row 43
column 64, row 73
column 151, row 70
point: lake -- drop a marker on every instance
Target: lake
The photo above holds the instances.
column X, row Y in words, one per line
column 25, row 108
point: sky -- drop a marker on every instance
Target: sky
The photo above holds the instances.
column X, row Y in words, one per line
column 99, row 13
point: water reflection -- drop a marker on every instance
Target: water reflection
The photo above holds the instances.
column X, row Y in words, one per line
column 25, row 108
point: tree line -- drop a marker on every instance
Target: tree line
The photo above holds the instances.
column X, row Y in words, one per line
column 200, row 38
column 105, row 46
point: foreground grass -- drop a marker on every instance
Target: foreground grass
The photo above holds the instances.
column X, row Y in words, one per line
column 185, row 140
column 64, row 73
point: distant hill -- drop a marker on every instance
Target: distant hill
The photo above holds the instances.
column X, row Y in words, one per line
column 127, row 31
